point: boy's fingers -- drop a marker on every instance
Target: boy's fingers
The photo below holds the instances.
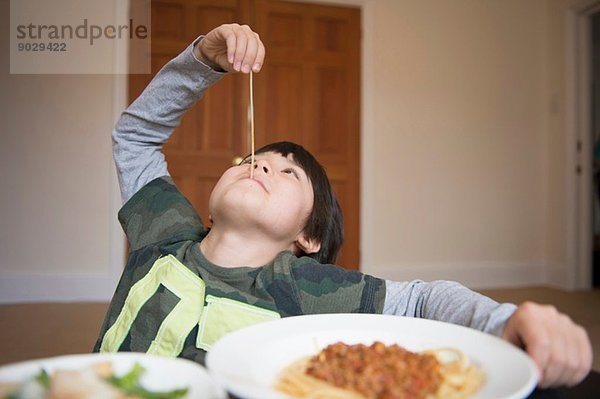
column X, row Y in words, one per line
column 260, row 56
column 217, row 47
column 234, row 48
column 251, row 53
column 241, row 44
column 249, row 50
column 555, row 371
column 255, row 51
column 230, row 41
column 583, row 357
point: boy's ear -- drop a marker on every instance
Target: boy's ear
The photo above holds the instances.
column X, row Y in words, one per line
column 308, row 245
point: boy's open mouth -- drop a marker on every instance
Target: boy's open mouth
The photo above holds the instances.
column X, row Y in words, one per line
column 259, row 182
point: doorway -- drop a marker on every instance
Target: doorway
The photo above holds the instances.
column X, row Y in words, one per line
column 595, row 144
column 583, row 131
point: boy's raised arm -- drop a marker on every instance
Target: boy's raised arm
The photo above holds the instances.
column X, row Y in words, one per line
column 148, row 123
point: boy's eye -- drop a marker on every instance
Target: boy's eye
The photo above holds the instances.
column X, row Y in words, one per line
column 292, row 172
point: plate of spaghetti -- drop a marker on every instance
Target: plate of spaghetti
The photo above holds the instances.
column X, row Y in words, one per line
column 365, row 356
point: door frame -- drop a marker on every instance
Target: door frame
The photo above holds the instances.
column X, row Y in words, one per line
column 579, row 176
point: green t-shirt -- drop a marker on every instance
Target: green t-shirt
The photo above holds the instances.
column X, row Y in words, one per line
column 172, row 301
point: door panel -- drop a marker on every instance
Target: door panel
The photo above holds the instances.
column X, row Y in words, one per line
column 282, row 95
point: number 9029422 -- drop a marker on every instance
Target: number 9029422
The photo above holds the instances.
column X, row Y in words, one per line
column 51, row 46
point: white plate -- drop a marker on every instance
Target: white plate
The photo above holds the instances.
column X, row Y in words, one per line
column 162, row 373
column 247, row 362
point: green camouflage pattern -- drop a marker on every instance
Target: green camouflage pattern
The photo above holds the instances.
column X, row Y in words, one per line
column 159, row 221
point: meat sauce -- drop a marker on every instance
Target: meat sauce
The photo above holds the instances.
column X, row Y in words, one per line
column 377, row 371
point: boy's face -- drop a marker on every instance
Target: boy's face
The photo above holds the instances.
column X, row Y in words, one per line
column 276, row 202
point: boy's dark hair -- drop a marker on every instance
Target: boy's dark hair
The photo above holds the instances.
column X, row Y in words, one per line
column 325, row 224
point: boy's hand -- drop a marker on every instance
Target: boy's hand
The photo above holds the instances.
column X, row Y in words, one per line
column 560, row 348
column 232, row 47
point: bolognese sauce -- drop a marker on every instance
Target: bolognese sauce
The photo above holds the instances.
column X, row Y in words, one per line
column 377, row 371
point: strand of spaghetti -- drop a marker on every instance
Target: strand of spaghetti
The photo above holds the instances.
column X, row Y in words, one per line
column 251, row 125
column 296, row 383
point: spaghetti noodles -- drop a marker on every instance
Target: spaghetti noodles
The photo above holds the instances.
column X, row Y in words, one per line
column 251, row 125
column 380, row 371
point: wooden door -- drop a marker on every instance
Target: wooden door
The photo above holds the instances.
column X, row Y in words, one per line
column 308, row 92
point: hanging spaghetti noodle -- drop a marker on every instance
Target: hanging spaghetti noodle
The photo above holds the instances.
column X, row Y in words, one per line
column 380, row 371
column 251, row 125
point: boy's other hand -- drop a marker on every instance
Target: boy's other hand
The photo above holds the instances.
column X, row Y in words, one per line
column 560, row 348
column 232, row 47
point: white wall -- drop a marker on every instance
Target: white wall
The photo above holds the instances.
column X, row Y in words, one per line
column 457, row 164
column 463, row 154
column 58, row 239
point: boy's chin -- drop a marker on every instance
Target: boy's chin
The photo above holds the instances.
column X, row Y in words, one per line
column 243, row 214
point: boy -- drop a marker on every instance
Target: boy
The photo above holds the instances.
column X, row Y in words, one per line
column 265, row 256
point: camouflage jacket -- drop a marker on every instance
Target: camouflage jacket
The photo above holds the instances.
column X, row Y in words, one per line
column 172, row 301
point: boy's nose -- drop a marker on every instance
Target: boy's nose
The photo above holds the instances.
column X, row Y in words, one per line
column 262, row 165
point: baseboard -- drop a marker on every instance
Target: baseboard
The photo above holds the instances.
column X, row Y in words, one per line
column 473, row 275
column 27, row 288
